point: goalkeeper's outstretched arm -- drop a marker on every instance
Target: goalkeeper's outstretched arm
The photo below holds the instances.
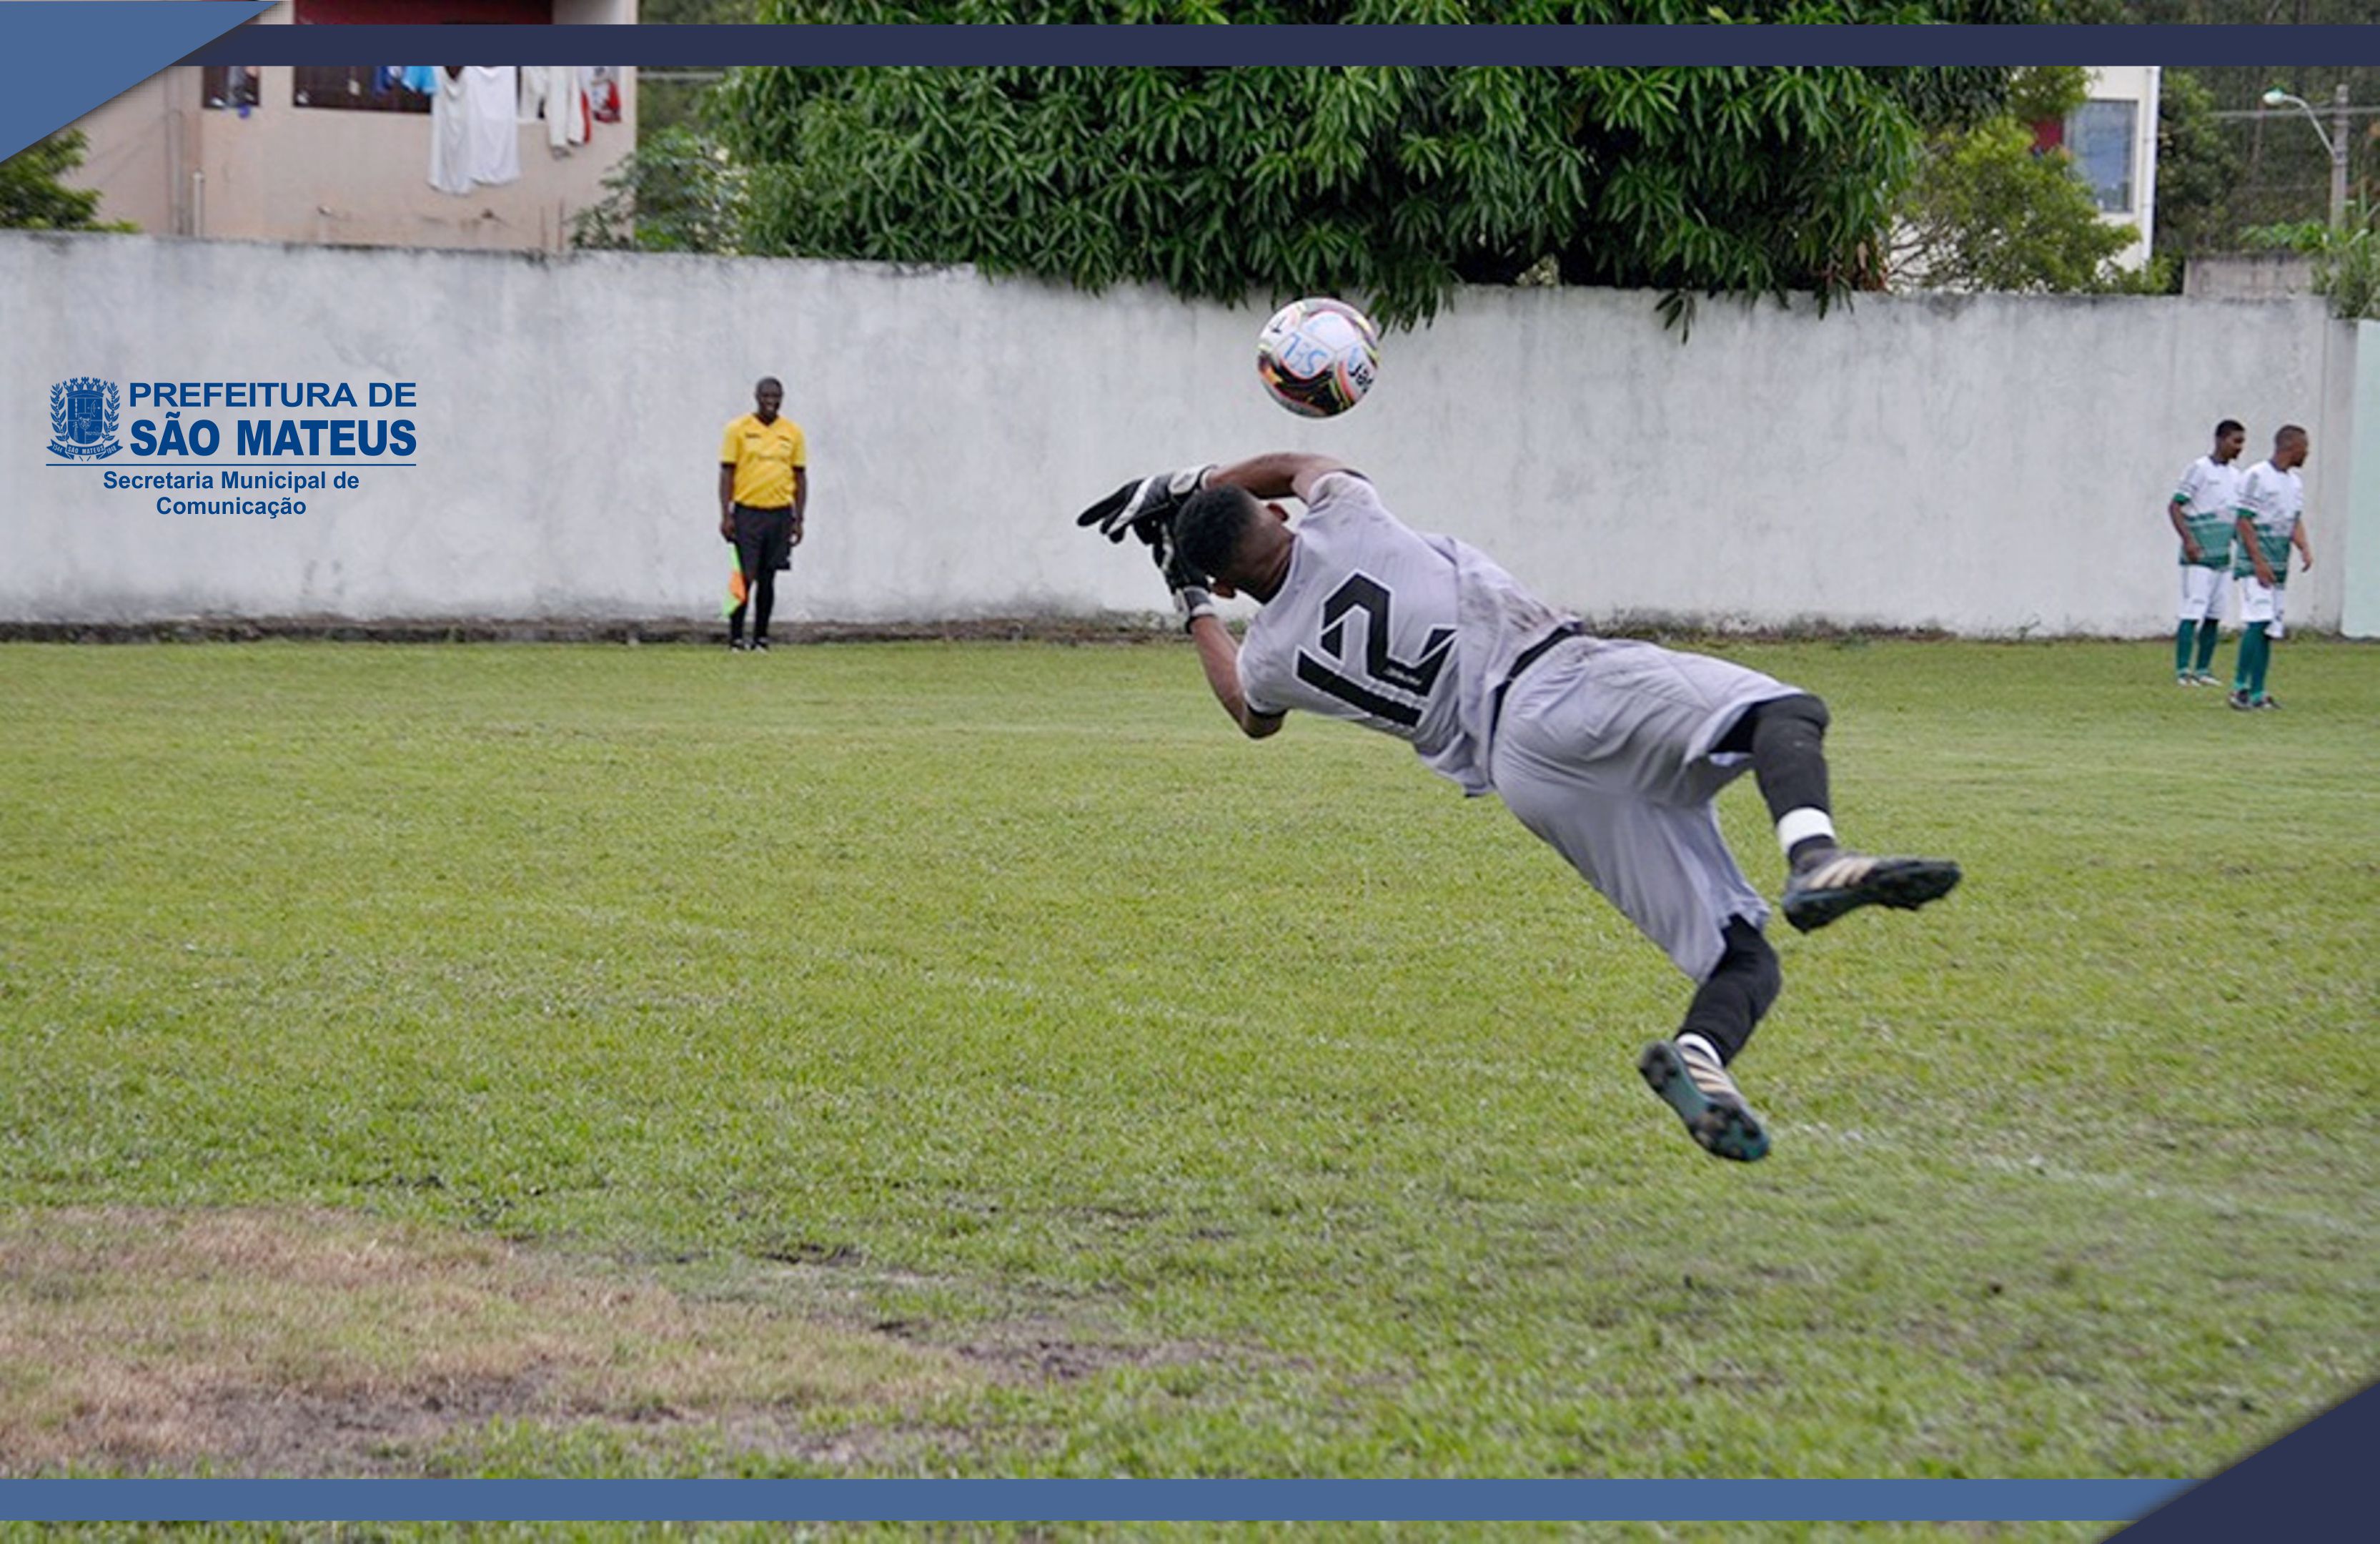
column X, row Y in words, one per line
column 1218, row 656
column 1277, row 475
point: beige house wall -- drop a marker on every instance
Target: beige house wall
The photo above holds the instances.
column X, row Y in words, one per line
column 163, row 160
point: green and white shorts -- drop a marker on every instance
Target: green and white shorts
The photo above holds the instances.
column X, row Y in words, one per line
column 2260, row 601
column 2203, row 589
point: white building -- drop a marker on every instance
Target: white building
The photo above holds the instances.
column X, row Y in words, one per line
column 2113, row 140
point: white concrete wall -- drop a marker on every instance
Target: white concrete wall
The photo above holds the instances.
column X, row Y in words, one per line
column 2353, row 547
column 2247, row 275
column 1991, row 466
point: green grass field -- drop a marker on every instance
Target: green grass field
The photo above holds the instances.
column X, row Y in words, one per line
column 976, row 1059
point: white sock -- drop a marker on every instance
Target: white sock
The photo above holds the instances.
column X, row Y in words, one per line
column 1694, row 1044
column 1797, row 826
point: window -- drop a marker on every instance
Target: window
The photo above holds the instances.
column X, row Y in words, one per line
column 229, row 86
column 357, row 87
column 2100, row 135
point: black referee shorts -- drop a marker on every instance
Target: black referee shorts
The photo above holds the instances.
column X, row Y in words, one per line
column 764, row 539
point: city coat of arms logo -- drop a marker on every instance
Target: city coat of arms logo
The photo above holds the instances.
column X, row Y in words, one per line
column 82, row 419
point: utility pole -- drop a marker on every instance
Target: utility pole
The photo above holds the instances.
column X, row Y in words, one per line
column 2338, row 157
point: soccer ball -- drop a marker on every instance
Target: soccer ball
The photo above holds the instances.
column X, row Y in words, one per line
column 1318, row 357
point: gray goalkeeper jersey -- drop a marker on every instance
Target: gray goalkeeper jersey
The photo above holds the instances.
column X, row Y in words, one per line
column 1388, row 627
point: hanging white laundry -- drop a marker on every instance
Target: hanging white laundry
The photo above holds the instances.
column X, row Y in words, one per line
column 560, row 91
column 580, row 125
column 450, row 135
column 491, row 107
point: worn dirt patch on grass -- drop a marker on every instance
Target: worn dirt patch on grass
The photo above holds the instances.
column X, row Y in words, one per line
column 322, row 1343
column 1017, row 1335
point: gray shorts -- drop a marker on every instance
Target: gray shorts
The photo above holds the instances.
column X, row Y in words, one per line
column 1604, row 750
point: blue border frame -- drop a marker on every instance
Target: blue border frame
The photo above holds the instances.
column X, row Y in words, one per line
column 63, row 35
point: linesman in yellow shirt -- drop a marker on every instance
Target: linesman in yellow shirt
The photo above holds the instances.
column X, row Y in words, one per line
column 764, row 485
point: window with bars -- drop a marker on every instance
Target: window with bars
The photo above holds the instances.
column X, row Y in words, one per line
column 227, row 87
column 355, row 88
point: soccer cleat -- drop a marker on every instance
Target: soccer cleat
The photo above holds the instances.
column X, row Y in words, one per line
column 2203, row 678
column 1836, row 881
column 737, row 646
column 760, row 645
column 1706, row 1099
column 2241, row 700
column 2184, row 678
column 2269, row 701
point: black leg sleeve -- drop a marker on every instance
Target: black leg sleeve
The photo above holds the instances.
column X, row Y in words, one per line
column 1787, row 740
column 1738, row 993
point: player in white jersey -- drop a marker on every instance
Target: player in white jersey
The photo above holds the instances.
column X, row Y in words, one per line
column 1611, row 751
column 2271, row 520
column 2202, row 508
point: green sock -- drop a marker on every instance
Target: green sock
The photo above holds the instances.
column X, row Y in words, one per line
column 2263, row 660
column 2249, row 677
column 2209, row 632
column 2181, row 647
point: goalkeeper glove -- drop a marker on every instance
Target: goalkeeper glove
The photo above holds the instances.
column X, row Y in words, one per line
column 1192, row 599
column 1145, row 507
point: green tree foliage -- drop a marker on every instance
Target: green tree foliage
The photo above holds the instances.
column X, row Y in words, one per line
column 32, row 197
column 1989, row 210
column 678, row 193
column 2047, row 92
column 2239, row 13
column 2346, row 258
column 673, row 96
column 1392, row 184
column 2196, row 168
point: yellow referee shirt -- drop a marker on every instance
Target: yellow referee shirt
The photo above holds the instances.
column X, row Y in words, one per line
column 765, row 457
